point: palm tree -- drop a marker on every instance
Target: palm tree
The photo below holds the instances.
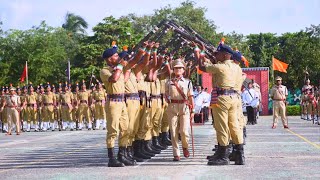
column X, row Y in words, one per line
column 74, row 24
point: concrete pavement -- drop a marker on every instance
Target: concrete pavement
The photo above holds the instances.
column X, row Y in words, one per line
column 270, row 154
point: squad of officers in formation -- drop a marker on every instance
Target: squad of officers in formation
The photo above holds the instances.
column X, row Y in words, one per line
column 142, row 99
column 310, row 102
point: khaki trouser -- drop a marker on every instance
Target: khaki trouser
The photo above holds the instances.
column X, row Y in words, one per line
column 99, row 111
column 75, row 114
column 66, row 113
column 144, row 132
column 117, row 122
column 31, row 115
column 133, row 107
column 84, row 111
column 164, row 118
column 4, row 115
column 13, row 117
column 48, row 113
column 57, row 113
column 318, row 108
column 279, row 109
column 179, row 122
column 241, row 118
column 226, row 121
column 156, row 111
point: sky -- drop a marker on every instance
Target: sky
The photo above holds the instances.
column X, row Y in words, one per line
column 242, row 16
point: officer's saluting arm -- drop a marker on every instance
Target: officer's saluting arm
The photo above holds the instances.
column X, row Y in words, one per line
column 137, row 70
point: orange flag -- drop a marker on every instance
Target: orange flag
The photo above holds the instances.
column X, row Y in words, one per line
column 199, row 71
column 24, row 73
column 279, row 65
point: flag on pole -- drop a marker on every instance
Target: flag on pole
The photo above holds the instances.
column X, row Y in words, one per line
column 279, row 65
column 68, row 72
column 24, row 73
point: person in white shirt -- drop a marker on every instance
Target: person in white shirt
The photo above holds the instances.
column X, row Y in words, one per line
column 251, row 100
column 206, row 105
column 199, row 101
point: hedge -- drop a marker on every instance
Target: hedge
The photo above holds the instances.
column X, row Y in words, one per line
column 293, row 110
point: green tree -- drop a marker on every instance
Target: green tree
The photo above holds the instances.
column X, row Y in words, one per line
column 74, row 24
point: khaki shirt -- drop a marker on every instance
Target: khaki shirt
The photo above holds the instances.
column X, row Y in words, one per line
column 239, row 81
column 66, row 97
column 112, row 88
column 184, row 84
column 13, row 100
column 279, row 92
column 84, row 96
column 31, row 98
column 131, row 86
column 99, row 95
column 226, row 74
column 48, row 97
column 163, row 83
column 155, row 87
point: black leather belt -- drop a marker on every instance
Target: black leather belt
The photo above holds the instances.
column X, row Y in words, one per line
column 83, row 101
column 153, row 96
column 226, row 92
column 98, row 101
column 31, row 105
column 116, row 97
column 48, row 104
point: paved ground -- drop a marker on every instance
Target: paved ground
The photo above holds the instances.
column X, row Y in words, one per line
column 270, row 154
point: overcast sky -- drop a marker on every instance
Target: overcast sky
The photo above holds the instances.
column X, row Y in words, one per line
column 242, row 16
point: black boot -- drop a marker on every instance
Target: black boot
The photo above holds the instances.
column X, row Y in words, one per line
column 239, row 155
column 144, row 149
column 138, row 150
column 232, row 153
column 165, row 138
column 131, row 156
column 122, row 157
column 221, row 157
column 113, row 162
column 148, row 147
column 155, row 143
column 161, row 143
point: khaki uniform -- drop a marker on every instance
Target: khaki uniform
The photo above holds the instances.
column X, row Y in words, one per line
column 57, row 112
column 143, row 112
column 156, row 107
column 241, row 118
column 75, row 110
column 117, row 111
column 12, row 103
column 31, row 110
column 48, row 100
column 65, row 99
column 3, row 114
column 164, row 122
column 99, row 97
column 40, row 110
column 225, row 111
column 179, row 113
column 318, row 105
column 23, row 113
column 278, row 95
column 145, row 130
column 84, row 109
column 133, row 106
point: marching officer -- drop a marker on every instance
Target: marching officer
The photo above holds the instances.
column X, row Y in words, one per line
column 30, row 104
column 84, row 107
column 113, row 78
column 40, row 116
column 224, row 103
column 48, row 101
column 75, row 109
column 99, row 99
column 179, row 93
column 279, row 95
column 305, row 104
column 12, row 102
column 318, row 105
column 65, row 99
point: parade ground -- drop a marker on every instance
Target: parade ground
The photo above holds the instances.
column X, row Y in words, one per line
column 270, row 154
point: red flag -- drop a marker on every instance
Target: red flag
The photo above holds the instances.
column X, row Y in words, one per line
column 279, row 65
column 24, row 74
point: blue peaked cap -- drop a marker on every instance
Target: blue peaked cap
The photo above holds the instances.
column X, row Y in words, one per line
column 224, row 48
column 109, row 52
column 237, row 56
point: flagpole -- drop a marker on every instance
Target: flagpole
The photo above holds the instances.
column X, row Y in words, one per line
column 27, row 72
column 69, row 71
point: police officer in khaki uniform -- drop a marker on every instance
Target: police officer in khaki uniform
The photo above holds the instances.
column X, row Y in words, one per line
column 307, row 105
column 113, row 78
column 84, row 101
column 75, row 109
column 41, row 117
column 66, row 98
column 48, row 105
column 279, row 95
column 179, row 93
column 23, row 113
column 99, row 99
column 57, row 112
column 30, row 104
column 225, row 108
column 12, row 102
column 317, row 115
